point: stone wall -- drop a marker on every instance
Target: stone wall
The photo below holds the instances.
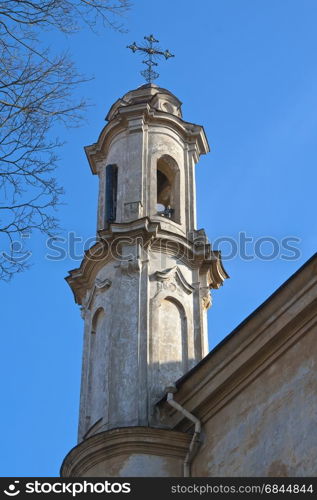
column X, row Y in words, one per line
column 256, row 392
column 268, row 429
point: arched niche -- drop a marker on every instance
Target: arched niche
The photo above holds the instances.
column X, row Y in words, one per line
column 168, row 188
column 172, row 341
column 96, row 378
column 97, row 320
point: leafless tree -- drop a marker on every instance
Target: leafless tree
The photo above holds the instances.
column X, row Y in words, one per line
column 36, row 92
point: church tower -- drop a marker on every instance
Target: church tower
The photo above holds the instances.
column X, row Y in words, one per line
column 144, row 288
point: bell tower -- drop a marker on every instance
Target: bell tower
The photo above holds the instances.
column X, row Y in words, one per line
column 144, row 287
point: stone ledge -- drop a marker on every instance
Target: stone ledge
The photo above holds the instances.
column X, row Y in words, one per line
column 109, row 450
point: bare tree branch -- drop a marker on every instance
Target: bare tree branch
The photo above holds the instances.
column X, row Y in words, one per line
column 37, row 92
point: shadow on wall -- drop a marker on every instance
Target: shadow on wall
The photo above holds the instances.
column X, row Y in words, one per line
column 140, row 409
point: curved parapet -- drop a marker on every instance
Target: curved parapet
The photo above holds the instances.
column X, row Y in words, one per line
column 129, row 452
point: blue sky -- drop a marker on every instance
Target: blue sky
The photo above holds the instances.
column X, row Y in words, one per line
column 245, row 70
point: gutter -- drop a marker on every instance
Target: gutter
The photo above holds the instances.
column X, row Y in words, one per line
column 195, row 442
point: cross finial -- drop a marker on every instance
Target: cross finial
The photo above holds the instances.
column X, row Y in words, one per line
column 153, row 53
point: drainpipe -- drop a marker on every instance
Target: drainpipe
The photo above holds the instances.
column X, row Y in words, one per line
column 195, row 442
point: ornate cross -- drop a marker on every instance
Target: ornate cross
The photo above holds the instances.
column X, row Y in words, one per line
column 153, row 54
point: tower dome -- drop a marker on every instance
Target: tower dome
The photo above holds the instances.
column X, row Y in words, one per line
column 156, row 97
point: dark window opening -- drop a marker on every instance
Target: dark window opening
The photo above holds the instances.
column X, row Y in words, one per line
column 111, row 193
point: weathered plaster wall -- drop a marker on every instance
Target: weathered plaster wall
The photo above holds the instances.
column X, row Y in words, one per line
column 144, row 303
column 256, row 392
column 176, row 328
column 136, row 465
column 268, row 429
column 144, row 338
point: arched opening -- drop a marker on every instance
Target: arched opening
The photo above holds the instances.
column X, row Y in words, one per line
column 164, row 189
column 167, row 188
column 96, row 367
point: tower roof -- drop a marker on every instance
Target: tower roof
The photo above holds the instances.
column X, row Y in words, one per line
column 157, row 97
column 153, row 104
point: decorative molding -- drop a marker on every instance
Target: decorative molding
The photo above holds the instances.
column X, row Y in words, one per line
column 100, row 284
column 161, row 239
column 104, row 446
column 93, row 429
column 206, row 298
column 133, row 210
column 216, row 271
column 198, row 237
column 168, row 280
column 131, row 266
column 189, row 132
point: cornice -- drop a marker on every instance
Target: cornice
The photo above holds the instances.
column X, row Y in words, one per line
column 96, row 152
column 121, row 441
column 216, row 272
column 138, row 95
column 151, row 235
column 189, row 132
